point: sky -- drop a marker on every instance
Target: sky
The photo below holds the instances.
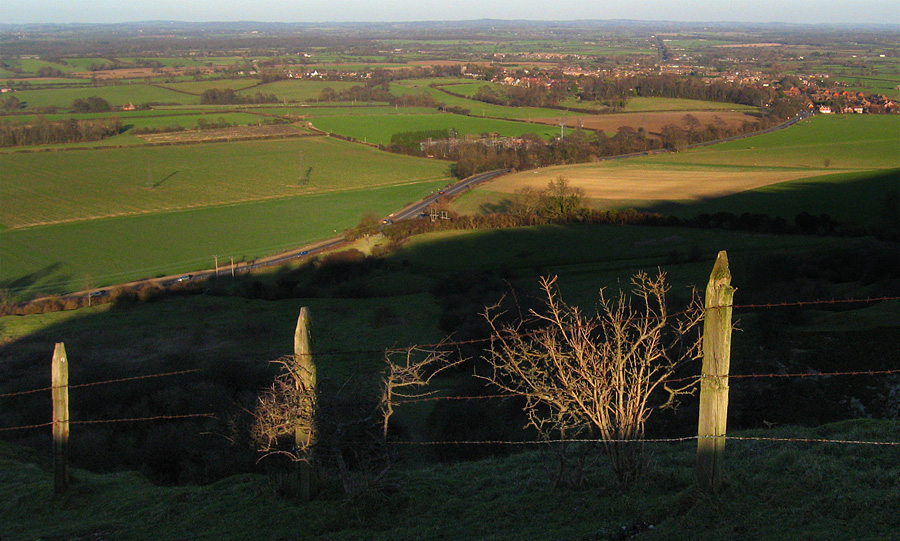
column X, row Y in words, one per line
column 760, row 11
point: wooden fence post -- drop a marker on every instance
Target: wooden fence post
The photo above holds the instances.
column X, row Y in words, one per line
column 305, row 436
column 59, row 374
column 714, row 379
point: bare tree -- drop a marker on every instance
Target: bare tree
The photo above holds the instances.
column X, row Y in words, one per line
column 415, row 370
column 594, row 375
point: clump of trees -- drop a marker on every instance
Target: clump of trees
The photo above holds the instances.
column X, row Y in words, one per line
column 43, row 132
column 227, row 96
column 93, row 104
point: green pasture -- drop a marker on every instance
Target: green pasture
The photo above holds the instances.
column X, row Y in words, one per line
column 695, row 44
column 469, row 88
column 321, row 110
column 350, row 65
column 198, row 87
column 363, row 109
column 62, row 186
column 659, row 105
column 481, row 109
column 36, row 84
column 116, row 95
column 189, row 121
column 70, row 65
column 126, row 116
column 850, row 142
column 168, row 62
column 378, row 129
column 140, row 119
column 66, row 257
column 436, row 81
column 299, row 89
column 645, row 105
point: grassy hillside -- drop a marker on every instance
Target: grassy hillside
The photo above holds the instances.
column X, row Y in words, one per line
column 72, row 256
column 774, row 491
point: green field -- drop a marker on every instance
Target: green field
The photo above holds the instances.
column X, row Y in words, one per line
column 68, row 186
column 850, row 142
column 378, row 129
column 197, row 87
column 244, row 199
column 69, row 257
column 481, row 109
column 116, row 95
column 300, row 90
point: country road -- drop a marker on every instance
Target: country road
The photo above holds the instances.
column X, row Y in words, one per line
column 408, row 212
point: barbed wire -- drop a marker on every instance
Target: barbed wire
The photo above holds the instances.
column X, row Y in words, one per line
column 506, row 395
column 95, row 383
column 809, row 440
column 445, row 344
column 25, row 427
column 648, row 440
column 137, row 419
column 105, row 421
column 813, row 374
column 451, row 343
column 135, row 378
column 542, row 442
column 19, row 393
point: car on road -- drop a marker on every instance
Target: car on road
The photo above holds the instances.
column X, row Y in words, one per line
column 185, row 278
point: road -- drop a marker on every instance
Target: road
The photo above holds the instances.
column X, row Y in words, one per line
column 406, row 213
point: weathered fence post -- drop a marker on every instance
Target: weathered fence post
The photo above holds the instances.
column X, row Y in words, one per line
column 714, row 380
column 59, row 374
column 305, row 435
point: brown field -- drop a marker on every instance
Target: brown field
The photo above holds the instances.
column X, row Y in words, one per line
column 602, row 181
column 223, row 134
column 652, row 122
column 137, row 73
column 738, row 45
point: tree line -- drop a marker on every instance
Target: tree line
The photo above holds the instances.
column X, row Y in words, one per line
column 42, row 132
column 227, row 96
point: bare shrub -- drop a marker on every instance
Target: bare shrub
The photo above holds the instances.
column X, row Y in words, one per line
column 415, row 369
column 594, row 375
column 285, row 415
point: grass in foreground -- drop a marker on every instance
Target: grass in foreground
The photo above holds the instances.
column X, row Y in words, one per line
column 774, row 490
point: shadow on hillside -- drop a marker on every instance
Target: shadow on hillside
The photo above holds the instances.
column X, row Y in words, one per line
column 870, row 199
